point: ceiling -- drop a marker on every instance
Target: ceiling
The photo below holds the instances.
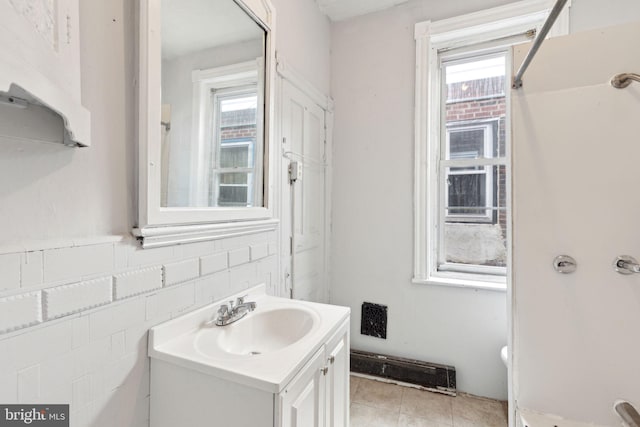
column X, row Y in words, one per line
column 193, row 25
column 338, row 10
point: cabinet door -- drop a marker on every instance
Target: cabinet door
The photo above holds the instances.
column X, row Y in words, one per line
column 337, row 411
column 302, row 402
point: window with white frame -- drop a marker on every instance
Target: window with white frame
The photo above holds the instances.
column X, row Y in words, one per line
column 462, row 148
column 233, row 164
column 227, row 155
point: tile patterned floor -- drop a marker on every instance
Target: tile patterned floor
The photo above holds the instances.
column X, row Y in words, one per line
column 378, row 404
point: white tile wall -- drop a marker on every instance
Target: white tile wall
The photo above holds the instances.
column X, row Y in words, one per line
column 118, row 344
column 213, row 287
column 116, row 317
column 81, row 392
column 33, row 346
column 31, row 269
column 137, row 257
column 195, row 250
column 136, row 282
column 63, row 300
column 9, row 388
column 55, row 386
column 239, row 256
column 213, row 263
column 9, row 271
column 174, row 300
column 259, row 251
column 20, row 311
column 241, row 277
column 79, row 261
column 183, row 271
column 80, row 331
column 96, row 359
column 29, row 384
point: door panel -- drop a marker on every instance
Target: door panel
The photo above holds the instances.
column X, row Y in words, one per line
column 338, row 381
column 305, row 199
column 302, row 402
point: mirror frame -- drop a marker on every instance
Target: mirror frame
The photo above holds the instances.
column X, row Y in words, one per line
column 158, row 226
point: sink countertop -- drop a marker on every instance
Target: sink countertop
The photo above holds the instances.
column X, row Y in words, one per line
column 175, row 342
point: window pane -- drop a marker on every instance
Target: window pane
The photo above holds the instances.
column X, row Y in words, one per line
column 475, row 244
column 473, row 218
column 239, row 111
column 475, row 226
column 466, row 193
column 475, row 107
column 233, row 178
column 232, row 196
column 233, row 189
column 480, row 78
column 466, row 143
column 236, row 136
column 234, row 156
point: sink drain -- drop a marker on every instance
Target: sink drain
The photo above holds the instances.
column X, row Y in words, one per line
column 254, row 353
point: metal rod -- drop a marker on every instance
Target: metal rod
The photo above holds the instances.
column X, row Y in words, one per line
column 620, row 81
column 551, row 19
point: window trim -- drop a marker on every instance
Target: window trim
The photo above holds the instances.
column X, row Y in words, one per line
column 207, row 85
column 433, row 38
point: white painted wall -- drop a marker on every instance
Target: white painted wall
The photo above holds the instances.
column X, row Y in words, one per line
column 592, row 14
column 48, row 191
column 575, row 169
column 373, row 60
column 57, row 205
column 373, row 74
column 303, row 40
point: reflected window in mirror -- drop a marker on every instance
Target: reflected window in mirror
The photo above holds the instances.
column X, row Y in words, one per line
column 235, row 115
column 212, row 125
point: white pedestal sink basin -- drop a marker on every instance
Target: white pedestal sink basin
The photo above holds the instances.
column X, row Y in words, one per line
column 259, row 333
column 263, row 350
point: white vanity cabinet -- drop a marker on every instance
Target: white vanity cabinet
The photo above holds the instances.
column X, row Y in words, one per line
column 237, row 375
column 337, row 379
column 318, row 395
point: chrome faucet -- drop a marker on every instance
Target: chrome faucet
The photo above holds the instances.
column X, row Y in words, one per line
column 234, row 311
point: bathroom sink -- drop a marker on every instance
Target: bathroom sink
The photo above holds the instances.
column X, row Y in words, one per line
column 264, row 349
column 264, row 331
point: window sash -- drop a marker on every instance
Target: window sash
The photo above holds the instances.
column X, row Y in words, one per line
column 217, row 98
column 444, row 163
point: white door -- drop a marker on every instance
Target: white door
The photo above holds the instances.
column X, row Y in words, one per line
column 305, row 195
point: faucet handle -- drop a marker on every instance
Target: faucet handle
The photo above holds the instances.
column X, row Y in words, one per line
column 240, row 300
column 223, row 310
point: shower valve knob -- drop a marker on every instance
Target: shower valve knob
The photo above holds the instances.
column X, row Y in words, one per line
column 564, row 264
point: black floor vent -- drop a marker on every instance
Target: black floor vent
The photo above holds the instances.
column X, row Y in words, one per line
column 440, row 378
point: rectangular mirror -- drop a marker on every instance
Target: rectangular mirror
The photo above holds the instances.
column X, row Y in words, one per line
column 212, row 131
column 205, row 67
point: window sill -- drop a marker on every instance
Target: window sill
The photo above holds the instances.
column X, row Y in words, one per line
column 498, row 284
